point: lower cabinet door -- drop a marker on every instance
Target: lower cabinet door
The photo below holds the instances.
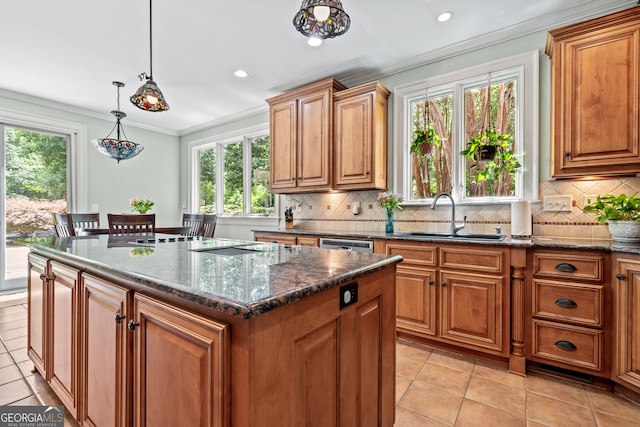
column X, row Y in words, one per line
column 181, row 367
column 37, row 298
column 472, row 310
column 106, row 360
column 63, row 317
column 416, row 302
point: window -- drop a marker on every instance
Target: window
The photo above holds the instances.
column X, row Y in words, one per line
column 472, row 133
column 233, row 176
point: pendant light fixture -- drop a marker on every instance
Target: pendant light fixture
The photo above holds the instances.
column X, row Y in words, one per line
column 119, row 149
column 149, row 97
column 323, row 19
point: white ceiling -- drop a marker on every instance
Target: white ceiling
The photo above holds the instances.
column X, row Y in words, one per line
column 67, row 52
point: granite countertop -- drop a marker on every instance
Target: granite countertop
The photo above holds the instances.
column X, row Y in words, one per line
column 236, row 277
column 533, row 242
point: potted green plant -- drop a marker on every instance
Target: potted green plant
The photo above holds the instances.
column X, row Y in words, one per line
column 621, row 213
column 142, row 206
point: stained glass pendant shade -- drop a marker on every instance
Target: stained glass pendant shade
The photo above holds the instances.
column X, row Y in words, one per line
column 323, row 19
column 117, row 148
column 149, row 97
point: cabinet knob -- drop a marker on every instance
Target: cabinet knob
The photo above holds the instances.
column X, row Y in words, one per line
column 293, row 178
column 566, row 303
column 566, row 345
column 566, row 267
column 431, row 282
column 444, row 283
column 132, row 325
column 620, row 276
column 567, row 153
column 119, row 318
column 45, row 277
column 367, row 172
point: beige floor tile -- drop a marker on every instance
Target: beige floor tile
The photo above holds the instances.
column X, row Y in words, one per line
column 407, row 418
column 431, row 402
column 474, row 414
column 10, row 317
column 608, row 420
column 15, row 333
column 14, row 391
column 19, row 355
column 9, row 374
column 557, row 389
column 16, row 343
column 556, row 413
column 37, row 383
column 5, row 360
column 498, row 395
column 498, row 373
column 535, row 424
column 453, row 361
column 410, row 359
column 444, row 378
column 29, row 401
column 12, row 309
column 11, row 325
column 402, row 384
column 612, row 404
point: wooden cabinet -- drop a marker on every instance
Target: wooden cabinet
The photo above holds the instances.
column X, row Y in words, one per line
column 106, row 353
column 568, row 323
column 595, row 81
column 307, row 241
column 360, row 138
column 301, row 123
column 181, row 366
column 63, row 325
column 626, row 319
column 105, row 343
column 456, row 294
column 275, row 238
column 38, row 334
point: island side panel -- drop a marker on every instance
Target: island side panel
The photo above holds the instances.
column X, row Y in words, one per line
column 313, row 361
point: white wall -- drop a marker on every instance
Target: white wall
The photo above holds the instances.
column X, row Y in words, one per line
column 153, row 174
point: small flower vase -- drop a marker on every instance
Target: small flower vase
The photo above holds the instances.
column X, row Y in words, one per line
column 388, row 221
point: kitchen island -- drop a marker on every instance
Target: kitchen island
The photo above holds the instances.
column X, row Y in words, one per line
column 166, row 330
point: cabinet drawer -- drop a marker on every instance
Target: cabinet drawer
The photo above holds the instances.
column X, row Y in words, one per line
column 571, row 345
column 581, row 267
column 480, row 260
column 413, row 254
column 568, row 302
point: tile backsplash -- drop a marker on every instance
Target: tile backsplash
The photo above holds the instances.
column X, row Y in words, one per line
column 333, row 211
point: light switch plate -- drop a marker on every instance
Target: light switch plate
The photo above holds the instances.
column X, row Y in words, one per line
column 557, row 203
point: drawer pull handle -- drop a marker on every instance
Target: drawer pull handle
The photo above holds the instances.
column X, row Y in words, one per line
column 566, row 303
column 120, row 317
column 566, row 345
column 566, row 267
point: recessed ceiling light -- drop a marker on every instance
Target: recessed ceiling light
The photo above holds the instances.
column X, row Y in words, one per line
column 241, row 73
column 314, row 41
column 444, row 16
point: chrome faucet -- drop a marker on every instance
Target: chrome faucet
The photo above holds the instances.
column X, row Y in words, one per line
column 454, row 228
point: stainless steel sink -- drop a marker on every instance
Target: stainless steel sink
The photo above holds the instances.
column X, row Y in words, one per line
column 447, row 236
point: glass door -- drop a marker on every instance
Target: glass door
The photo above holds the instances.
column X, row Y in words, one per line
column 34, row 186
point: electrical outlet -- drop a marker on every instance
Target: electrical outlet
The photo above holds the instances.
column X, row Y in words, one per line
column 94, row 207
column 557, row 203
column 184, row 205
column 299, row 207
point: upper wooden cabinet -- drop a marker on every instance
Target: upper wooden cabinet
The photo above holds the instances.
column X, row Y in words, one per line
column 595, row 71
column 360, row 138
column 324, row 137
column 301, row 138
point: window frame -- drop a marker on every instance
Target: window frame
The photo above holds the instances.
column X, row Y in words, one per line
column 526, row 67
column 218, row 142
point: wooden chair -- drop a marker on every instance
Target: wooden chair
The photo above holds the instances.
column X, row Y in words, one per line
column 84, row 221
column 209, row 225
column 62, row 226
column 194, row 222
column 131, row 223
